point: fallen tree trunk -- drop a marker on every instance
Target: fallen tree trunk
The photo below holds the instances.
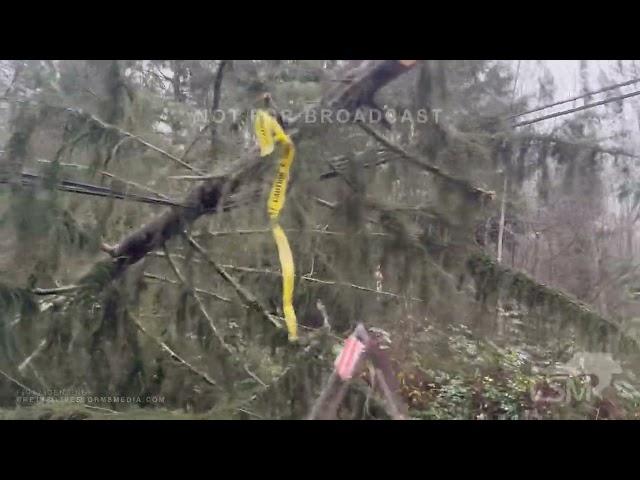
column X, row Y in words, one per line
column 209, row 196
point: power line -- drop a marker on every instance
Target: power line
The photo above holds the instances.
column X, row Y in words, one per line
column 32, row 180
column 577, row 109
column 587, row 94
column 29, row 180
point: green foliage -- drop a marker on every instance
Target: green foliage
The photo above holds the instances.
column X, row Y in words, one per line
column 497, row 384
column 381, row 242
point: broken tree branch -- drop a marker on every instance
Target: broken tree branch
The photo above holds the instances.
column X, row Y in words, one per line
column 56, row 291
column 424, row 165
column 364, row 79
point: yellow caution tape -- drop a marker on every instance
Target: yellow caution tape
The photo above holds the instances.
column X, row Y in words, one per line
column 286, row 262
column 264, row 132
column 279, row 188
column 268, row 131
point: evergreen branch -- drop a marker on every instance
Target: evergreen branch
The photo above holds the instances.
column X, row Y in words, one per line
column 193, row 178
column 424, row 165
column 489, row 274
column 289, row 230
column 308, row 351
column 553, row 139
column 16, row 382
column 266, row 388
column 39, row 349
column 306, row 278
column 158, row 278
column 173, row 355
column 201, row 307
column 151, row 276
column 140, row 140
column 106, row 126
column 246, row 296
column 310, row 279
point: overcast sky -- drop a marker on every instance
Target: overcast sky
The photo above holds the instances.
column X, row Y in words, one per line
column 568, row 83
